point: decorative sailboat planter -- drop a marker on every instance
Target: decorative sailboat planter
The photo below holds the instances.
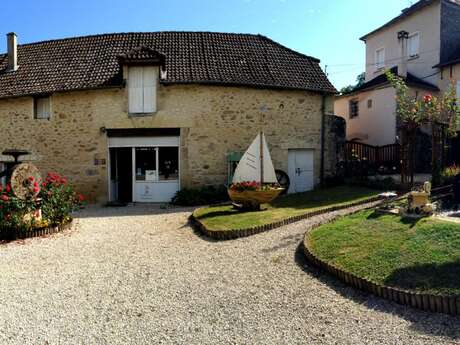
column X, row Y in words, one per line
column 254, row 182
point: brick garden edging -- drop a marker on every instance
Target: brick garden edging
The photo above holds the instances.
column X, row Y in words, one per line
column 238, row 233
column 36, row 232
column 427, row 302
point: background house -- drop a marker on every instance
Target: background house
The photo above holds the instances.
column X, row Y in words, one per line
column 422, row 45
column 138, row 116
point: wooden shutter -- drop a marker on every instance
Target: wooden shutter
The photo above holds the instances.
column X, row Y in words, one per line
column 149, row 91
column 135, row 90
column 413, row 44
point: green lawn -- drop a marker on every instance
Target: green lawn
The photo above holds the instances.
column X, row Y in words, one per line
column 225, row 217
column 421, row 255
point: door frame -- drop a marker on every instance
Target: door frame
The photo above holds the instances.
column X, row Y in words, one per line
column 133, row 143
column 293, row 178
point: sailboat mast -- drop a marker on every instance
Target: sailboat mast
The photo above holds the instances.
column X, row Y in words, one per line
column 261, row 158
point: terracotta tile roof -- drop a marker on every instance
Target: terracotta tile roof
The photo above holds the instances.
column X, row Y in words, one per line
column 411, row 80
column 191, row 57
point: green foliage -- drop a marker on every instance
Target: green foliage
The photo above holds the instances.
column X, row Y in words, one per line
column 14, row 211
column 359, row 81
column 449, row 173
column 200, row 196
column 440, row 113
column 421, row 255
column 56, row 199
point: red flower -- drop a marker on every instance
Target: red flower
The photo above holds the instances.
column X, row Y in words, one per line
column 4, row 197
column 36, row 189
column 8, row 188
column 35, row 184
column 43, row 184
column 81, row 198
column 427, row 98
column 31, row 178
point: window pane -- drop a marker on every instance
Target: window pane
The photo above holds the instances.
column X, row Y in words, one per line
column 146, row 164
column 42, row 107
column 168, row 162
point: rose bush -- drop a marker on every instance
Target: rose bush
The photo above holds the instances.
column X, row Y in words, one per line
column 54, row 196
column 13, row 210
column 58, row 199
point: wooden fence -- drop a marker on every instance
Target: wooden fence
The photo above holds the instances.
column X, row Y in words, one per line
column 378, row 156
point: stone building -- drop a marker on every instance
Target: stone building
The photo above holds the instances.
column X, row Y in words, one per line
column 137, row 116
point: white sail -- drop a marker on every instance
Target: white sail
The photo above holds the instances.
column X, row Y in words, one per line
column 249, row 167
column 269, row 170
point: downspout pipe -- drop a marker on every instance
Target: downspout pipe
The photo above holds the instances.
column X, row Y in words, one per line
column 323, row 134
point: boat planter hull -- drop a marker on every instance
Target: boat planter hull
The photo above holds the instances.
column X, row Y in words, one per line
column 254, row 197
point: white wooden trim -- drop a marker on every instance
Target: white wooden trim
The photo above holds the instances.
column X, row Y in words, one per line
column 144, row 141
column 133, row 172
column 109, row 177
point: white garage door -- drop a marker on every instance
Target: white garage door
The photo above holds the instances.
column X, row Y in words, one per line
column 300, row 170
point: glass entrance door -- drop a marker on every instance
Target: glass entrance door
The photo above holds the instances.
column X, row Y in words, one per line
column 156, row 173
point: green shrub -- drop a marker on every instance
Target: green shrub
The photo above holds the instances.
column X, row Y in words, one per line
column 448, row 174
column 56, row 198
column 13, row 210
column 200, row 196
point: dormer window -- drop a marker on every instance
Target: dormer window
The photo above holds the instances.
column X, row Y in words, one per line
column 380, row 58
column 42, row 108
column 413, row 45
column 143, row 65
column 142, row 89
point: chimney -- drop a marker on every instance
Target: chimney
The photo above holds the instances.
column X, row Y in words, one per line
column 12, row 41
column 402, row 64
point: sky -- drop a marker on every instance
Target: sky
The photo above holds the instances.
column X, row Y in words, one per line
column 326, row 29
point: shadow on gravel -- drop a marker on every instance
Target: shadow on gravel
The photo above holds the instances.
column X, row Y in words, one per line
column 422, row 322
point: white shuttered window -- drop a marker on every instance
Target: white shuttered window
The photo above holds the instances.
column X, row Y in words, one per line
column 380, row 58
column 413, row 45
column 142, row 89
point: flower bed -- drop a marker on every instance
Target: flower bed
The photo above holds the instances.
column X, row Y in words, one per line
column 48, row 206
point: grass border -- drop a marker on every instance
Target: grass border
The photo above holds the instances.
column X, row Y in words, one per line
column 37, row 232
column 426, row 302
column 232, row 234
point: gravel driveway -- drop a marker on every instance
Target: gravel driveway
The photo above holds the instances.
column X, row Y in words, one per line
column 140, row 275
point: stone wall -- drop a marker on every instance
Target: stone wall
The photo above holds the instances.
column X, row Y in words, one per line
column 214, row 121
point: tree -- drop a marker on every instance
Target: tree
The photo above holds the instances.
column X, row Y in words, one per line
column 359, row 81
column 440, row 114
